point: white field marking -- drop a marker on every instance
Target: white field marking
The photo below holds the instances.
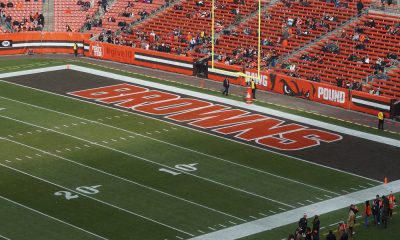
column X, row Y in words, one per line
column 301, row 204
column 29, row 132
column 37, row 154
column 200, row 231
column 141, row 122
column 272, row 211
column 253, row 217
column 212, row 228
column 124, row 179
column 157, row 131
column 262, row 214
column 76, row 147
column 1, row 236
column 150, row 161
column 10, row 136
column 222, row 225
column 179, row 237
column 74, row 124
column 51, row 217
column 98, row 200
column 131, row 136
column 282, row 209
column 2, row 109
column 113, row 140
column 39, row 131
column 148, row 133
column 19, row 159
column 291, row 216
column 29, row 157
column 166, row 130
column 116, row 116
column 69, row 150
column 192, row 129
column 83, row 123
column 355, row 189
column 99, row 119
column 20, row 134
column 327, row 196
column 108, row 118
column 318, row 198
column 58, row 151
column 345, row 191
column 322, row 227
column 123, row 138
column 361, row 186
column 177, row 146
column 105, row 142
column 309, row 201
column 65, row 126
column 8, row 161
column 233, row 222
column 86, row 145
column 372, row 185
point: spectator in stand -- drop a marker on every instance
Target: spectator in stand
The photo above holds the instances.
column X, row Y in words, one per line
column 10, row 4
column 360, row 7
column 68, row 28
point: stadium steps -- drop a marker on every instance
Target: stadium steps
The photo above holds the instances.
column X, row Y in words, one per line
column 48, row 12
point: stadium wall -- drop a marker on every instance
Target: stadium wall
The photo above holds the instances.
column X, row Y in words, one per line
column 41, row 43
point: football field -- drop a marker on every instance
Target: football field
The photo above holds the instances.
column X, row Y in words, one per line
column 79, row 168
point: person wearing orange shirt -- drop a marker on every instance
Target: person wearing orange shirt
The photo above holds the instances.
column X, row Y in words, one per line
column 392, row 202
column 367, row 213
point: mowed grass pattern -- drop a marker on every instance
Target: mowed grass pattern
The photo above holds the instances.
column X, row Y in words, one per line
column 52, row 143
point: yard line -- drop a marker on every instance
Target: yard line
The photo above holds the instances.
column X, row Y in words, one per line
column 51, row 217
column 1, row 236
column 125, row 179
column 153, row 162
column 98, row 200
column 178, row 146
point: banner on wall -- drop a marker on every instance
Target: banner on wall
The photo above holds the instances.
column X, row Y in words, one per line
column 111, row 52
column 5, row 43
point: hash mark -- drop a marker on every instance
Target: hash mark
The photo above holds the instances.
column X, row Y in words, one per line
column 68, row 149
column 29, row 157
column 211, row 228
column 222, row 225
column 56, row 127
column 39, row 131
column 10, row 136
column 355, row 189
column 361, row 186
column 108, row 117
column 319, row 198
column 157, row 131
column 200, row 231
column 123, row 138
column 77, row 147
column 20, row 134
column 19, row 159
column 345, row 191
column 131, row 136
column 272, row 211
column 8, row 161
column 327, row 196
column 179, row 237
column 253, row 217
column 166, row 130
column 86, row 145
column 282, row 209
column 37, row 154
column 29, row 132
column 65, row 126
column 58, row 151
column 105, row 142
column 140, row 122
column 309, row 201
column 148, row 133
column 371, row 184
column 83, row 122
column 262, row 214
column 300, row 203
column 113, row 140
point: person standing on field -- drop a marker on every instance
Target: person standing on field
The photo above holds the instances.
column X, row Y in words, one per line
column 226, row 87
column 253, row 88
column 392, row 202
column 75, row 49
column 367, row 213
column 381, row 120
column 351, row 221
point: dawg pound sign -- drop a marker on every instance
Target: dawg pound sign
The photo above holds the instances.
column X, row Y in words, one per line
column 223, row 120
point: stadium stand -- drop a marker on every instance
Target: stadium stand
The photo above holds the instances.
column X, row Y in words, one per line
column 124, row 13
column 286, row 26
column 21, row 15
column 71, row 15
column 364, row 50
column 188, row 21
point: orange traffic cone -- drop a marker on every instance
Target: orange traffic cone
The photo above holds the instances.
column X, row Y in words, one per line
column 249, row 97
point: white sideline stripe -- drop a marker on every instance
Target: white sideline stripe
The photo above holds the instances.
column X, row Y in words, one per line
column 97, row 200
column 6, row 238
column 51, row 217
column 223, row 72
column 2, row 109
column 87, row 70
column 153, row 162
column 174, row 63
column 177, row 146
column 372, row 104
column 46, row 44
column 281, row 219
column 121, row 178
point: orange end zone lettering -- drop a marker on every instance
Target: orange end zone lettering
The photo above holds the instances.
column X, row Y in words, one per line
column 136, row 99
column 109, row 91
column 172, row 106
column 259, row 129
column 301, row 139
column 215, row 115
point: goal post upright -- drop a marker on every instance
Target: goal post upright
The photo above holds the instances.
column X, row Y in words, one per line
column 238, row 74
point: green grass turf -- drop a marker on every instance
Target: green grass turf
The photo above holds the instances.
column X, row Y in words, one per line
column 47, row 151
